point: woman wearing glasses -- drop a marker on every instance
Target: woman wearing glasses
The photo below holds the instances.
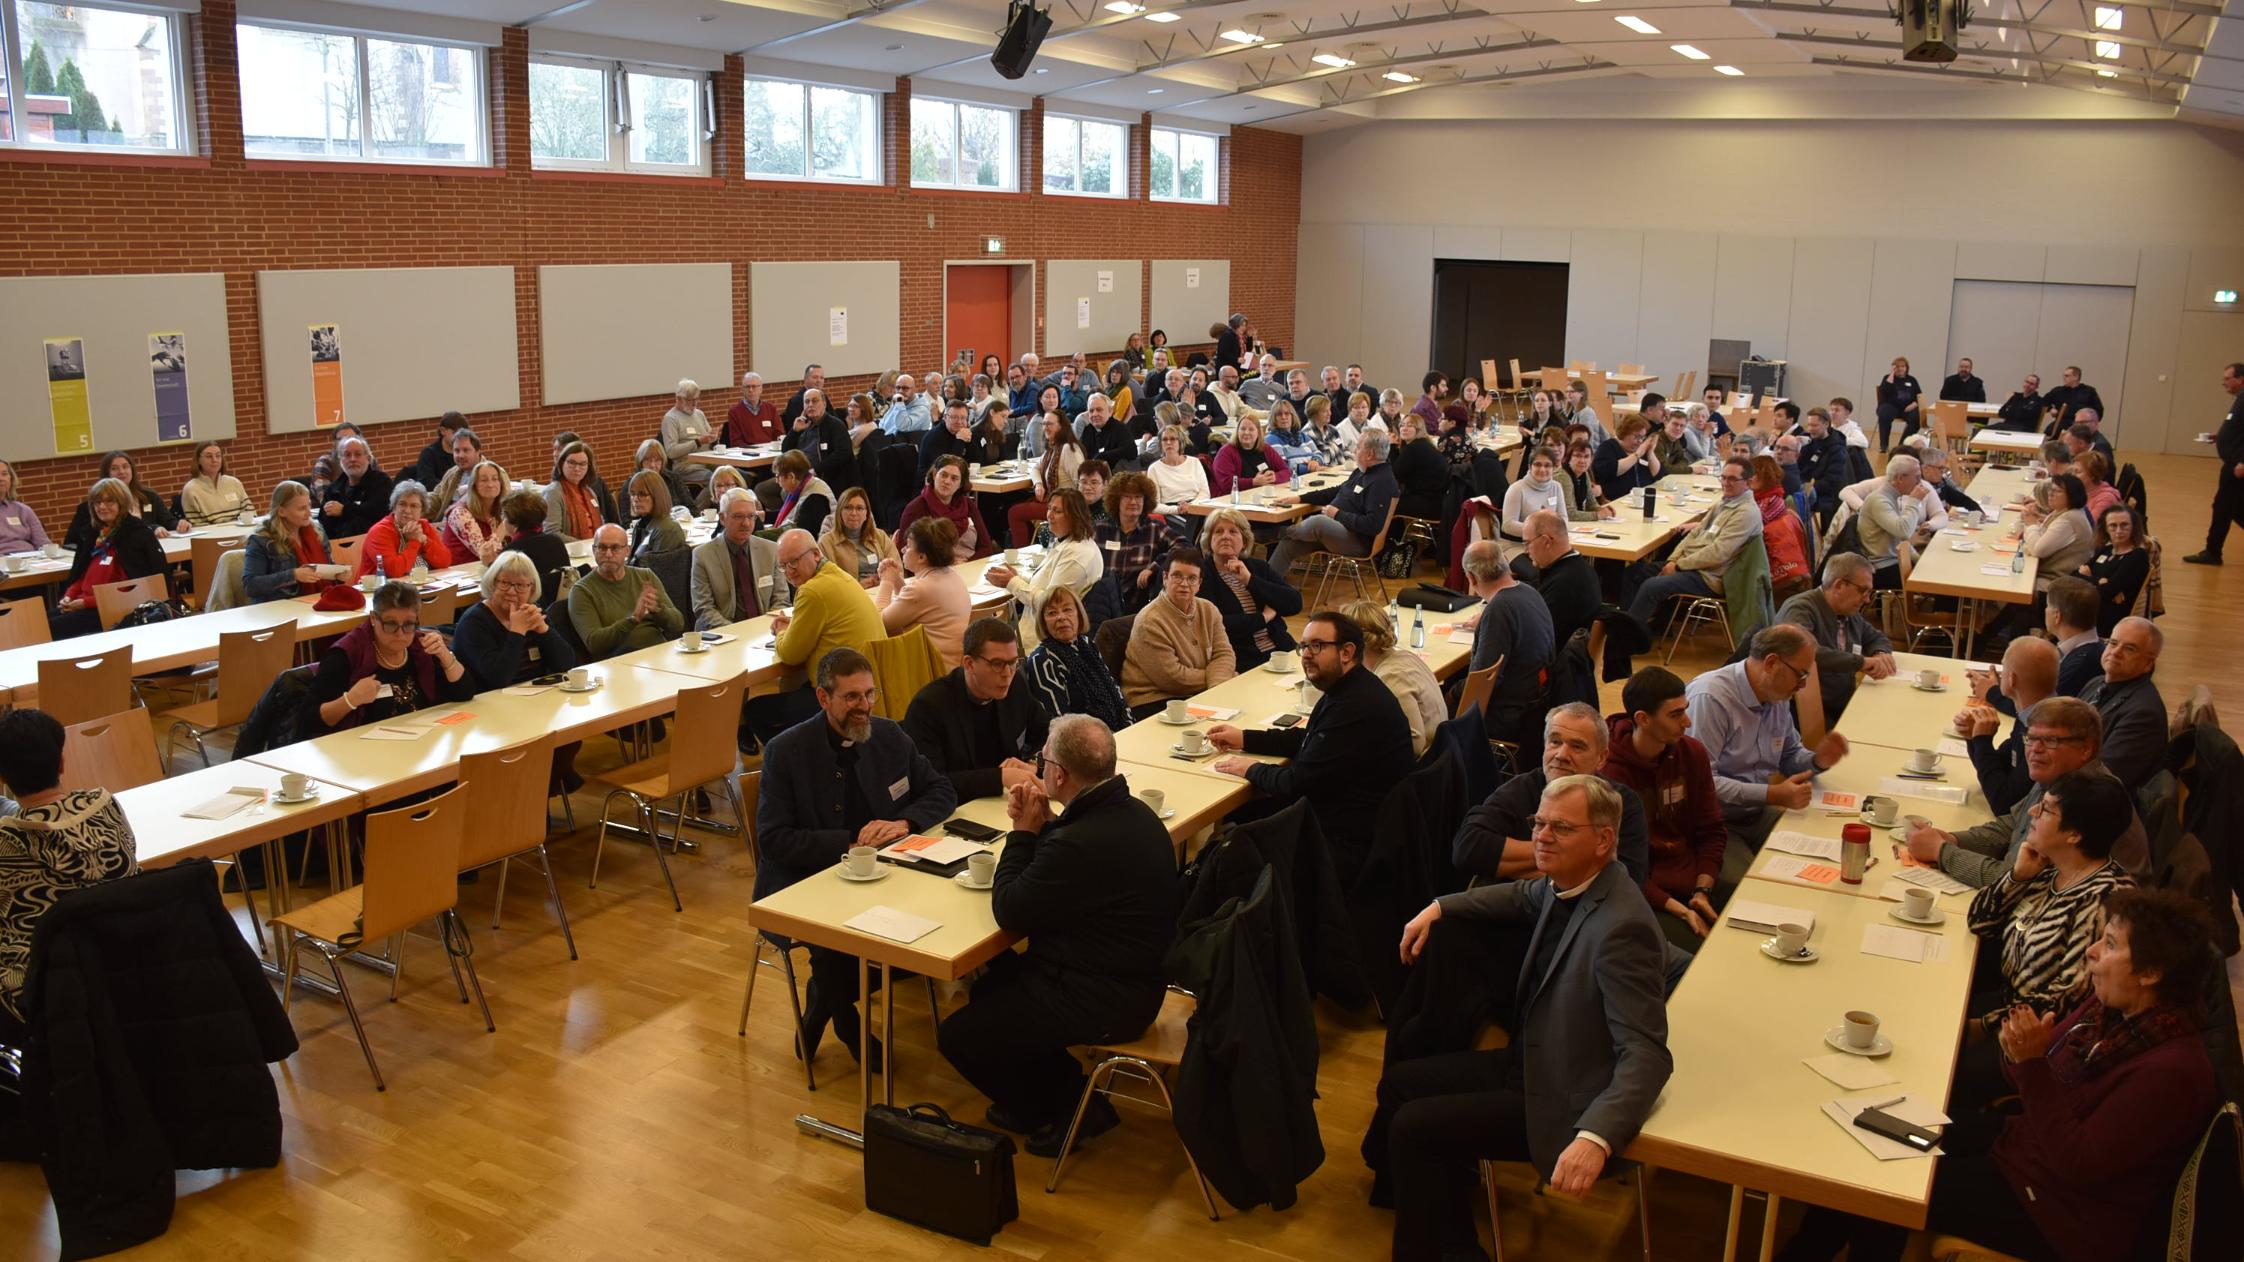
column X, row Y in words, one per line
column 385, row 667
column 505, row 639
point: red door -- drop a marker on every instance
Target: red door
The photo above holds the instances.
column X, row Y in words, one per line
column 978, row 314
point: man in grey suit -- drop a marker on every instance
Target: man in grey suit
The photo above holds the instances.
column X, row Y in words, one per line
column 1846, row 643
column 1588, row 1053
column 734, row 553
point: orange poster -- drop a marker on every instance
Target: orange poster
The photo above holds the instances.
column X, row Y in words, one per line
column 327, row 376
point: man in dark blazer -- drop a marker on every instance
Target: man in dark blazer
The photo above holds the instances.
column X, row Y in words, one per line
column 1564, row 576
column 1350, row 515
column 1354, row 748
column 1494, row 843
column 2228, row 493
column 2021, row 412
column 1962, row 386
column 2029, row 674
column 2069, row 398
column 824, row 441
column 1589, row 1053
column 1846, row 643
column 1095, row 893
column 814, row 379
column 2134, row 714
column 435, row 459
column 981, row 724
column 837, row 780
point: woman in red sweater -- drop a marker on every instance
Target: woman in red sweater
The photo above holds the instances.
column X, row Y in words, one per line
column 394, row 543
column 2115, row 1095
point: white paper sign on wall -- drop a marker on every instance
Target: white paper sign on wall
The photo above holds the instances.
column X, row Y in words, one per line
column 1192, row 278
column 1082, row 313
column 1106, row 282
column 837, row 326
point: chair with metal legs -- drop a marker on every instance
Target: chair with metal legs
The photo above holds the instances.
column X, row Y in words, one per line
column 1496, row 1224
column 783, row 949
column 702, row 751
column 1146, row 1058
column 412, row 875
column 506, row 819
column 248, row 662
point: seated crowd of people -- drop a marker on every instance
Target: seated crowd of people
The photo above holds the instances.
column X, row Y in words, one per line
column 1600, row 864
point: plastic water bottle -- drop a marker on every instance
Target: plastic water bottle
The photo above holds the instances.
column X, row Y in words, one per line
column 1234, row 495
column 1417, row 628
column 2018, row 559
column 1394, row 619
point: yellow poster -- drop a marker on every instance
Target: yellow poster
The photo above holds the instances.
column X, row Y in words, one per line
column 327, row 376
column 66, row 395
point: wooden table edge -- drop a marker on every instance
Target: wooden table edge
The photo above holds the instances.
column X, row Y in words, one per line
column 880, row 950
column 1852, row 1198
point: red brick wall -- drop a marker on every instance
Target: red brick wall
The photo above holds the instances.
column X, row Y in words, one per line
column 218, row 212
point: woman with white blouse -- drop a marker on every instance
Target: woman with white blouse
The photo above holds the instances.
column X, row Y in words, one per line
column 2061, row 535
column 213, row 495
column 1178, row 477
column 1073, row 561
column 1539, row 490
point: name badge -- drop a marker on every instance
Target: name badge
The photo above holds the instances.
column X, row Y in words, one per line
column 1355, row 490
column 1114, row 545
column 15, row 519
column 532, row 653
column 1671, row 795
column 897, row 790
column 384, row 692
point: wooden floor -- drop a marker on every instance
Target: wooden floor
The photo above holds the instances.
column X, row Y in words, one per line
column 616, row 1115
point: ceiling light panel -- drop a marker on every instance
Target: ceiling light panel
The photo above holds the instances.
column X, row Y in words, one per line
column 1690, row 52
column 1638, row 25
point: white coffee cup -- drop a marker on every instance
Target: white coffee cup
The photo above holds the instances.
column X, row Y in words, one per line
column 1928, row 679
column 1154, row 798
column 1285, row 660
column 1791, row 939
column 370, row 584
column 246, row 517
column 709, row 514
column 580, row 677
column 981, row 867
column 1176, row 712
column 1862, row 1029
column 50, row 550
column 860, row 860
column 14, row 565
column 1916, row 903
column 1012, row 558
column 1883, row 811
column 1195, row 741
column 295, row 784
column 692, row 639
column 1923, row 760
column 1972, row 518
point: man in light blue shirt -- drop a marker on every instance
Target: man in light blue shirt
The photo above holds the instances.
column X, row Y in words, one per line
column 909, row 412
column 1742, row 713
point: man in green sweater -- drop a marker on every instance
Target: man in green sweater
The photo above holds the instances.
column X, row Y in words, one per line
column 617, row 608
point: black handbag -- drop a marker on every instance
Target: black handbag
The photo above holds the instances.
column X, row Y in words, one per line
column 924, row 1168
column 1429, row 596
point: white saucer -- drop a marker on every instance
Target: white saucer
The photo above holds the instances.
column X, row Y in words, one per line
column 594, row 686
column 1899, row 832
column 1275, row 669
column 1169, row 812
column 683, row 647
column 1177, row 747
column 961, row 879
column 1836, row 1036
column 310, row 796
column 1807, row 955
column 1935, row 688
column 1963, row 545
column 880, row 873
column 1939, row 917
column 1187, row 721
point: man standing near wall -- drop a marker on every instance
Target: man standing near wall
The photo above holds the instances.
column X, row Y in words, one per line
column 2228, row 496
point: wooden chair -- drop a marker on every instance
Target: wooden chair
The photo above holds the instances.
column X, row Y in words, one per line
column 782, row 949
column 345, row 551
column 1912, row 618
column 248, row 662
column 1598, row 389
column 1807, row 707
column 1554, row 380
column 1324, row 566
column 202, row 561
column 506, row 818
column 1627, row 369
column 114, row 600
column 23, row 622
column 114, row 752
column 1479, row 686
column 702, row 749
column 74, row 689
column 439, row 606
column 1147, row 1058
column 1765, row 417
column 1521, row 390
column 412, row 874
column 1686, row 386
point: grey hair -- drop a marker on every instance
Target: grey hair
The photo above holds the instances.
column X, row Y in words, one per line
column 841, row 663
column 405, row 487
column 747, row 377
column 739, row 492
column 1901, row 466
column 687, row 385
column 2157, row 637
column 1845, row 565
column 1603, row 801
column 1377, row 440
column 1779, row 639
column 1484, row 562
column 518, row 564
column 1578, row 710
column 1084, row 746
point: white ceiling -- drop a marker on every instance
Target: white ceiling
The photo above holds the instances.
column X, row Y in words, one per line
column 1475, row 58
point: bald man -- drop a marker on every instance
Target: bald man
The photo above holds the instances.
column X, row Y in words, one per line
column 1564, row 576
column 616, row 608
column 2029, row 674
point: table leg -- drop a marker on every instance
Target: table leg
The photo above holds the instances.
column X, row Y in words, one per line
column 1769, row 1227
column 1730, row 1233
column 887, row 1034
column 864, row 1037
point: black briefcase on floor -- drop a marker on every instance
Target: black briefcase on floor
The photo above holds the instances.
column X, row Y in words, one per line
column 924, row 1168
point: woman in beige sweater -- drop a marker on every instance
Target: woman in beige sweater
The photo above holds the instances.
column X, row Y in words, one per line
column 1177, row 644
column 934, row 596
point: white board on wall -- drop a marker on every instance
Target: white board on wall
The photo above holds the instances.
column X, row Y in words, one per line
column 113, row 315
column 1091, row 304
column 842, row 316
column 416, row 342
column 1188, row 296
column 621, row 331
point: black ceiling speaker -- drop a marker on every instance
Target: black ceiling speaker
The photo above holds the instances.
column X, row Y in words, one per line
column 1025, row 29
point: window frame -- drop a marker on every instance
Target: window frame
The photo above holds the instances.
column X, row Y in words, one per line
column 877, row 142
column 1215, row 166
column 615, row 102
column 1122, row 152
column 480, row 111
column 1012, row 183
column 13, row 53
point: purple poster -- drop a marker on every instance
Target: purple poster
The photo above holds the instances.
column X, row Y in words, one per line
column 167, row 359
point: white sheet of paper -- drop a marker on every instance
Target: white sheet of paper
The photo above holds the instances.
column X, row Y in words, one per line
column 1759, row 917
column 528, row 690
column 1950, row 747
column 896, row 926
column 1896, row 943
column 226, row 804
column 1213, row 713
column 1851, row 1073
column 1999, row 569
column 1909, row 1109
column 941, row 851
column 1932, row 879
column 1462, row 636
column 1825, row 848
column 1789, row 867
column 1924, row 790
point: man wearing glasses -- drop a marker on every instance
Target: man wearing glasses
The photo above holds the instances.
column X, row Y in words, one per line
column 619, row 609
column 1354, row 748
column 2063, row 736
column 1695, row 567
column 1742, row 713
column 1847, row 644
column 1094, row 890
column 979, row 724
column 2133, row 714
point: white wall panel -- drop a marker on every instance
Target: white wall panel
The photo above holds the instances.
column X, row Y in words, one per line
column 1328, row 293
column 2208, row 341
column 1398, row 302
column 1753, row 292
column 1676, row 308
column 1911, row 287
column 1536, row 245
column 1481, row 241
column 1604, row 287
column 2087, row 325
column 2000, row 260
column 2092, row 264
column 1829, row 318
column 1996, row 323
column 2149, row 423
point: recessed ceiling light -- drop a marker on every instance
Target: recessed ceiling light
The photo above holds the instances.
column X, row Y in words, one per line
column 1238, row 36
column 2107, row 74
column 1690, row 52
column 1043, row 70
column 2107, row 50
column 1335, row 60
column 1124, row 7
column 1397, row 76
column 1164, row 17
column 1638, row 25
column 2109, row 17
column 1728, row 70
column 1155, row 91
